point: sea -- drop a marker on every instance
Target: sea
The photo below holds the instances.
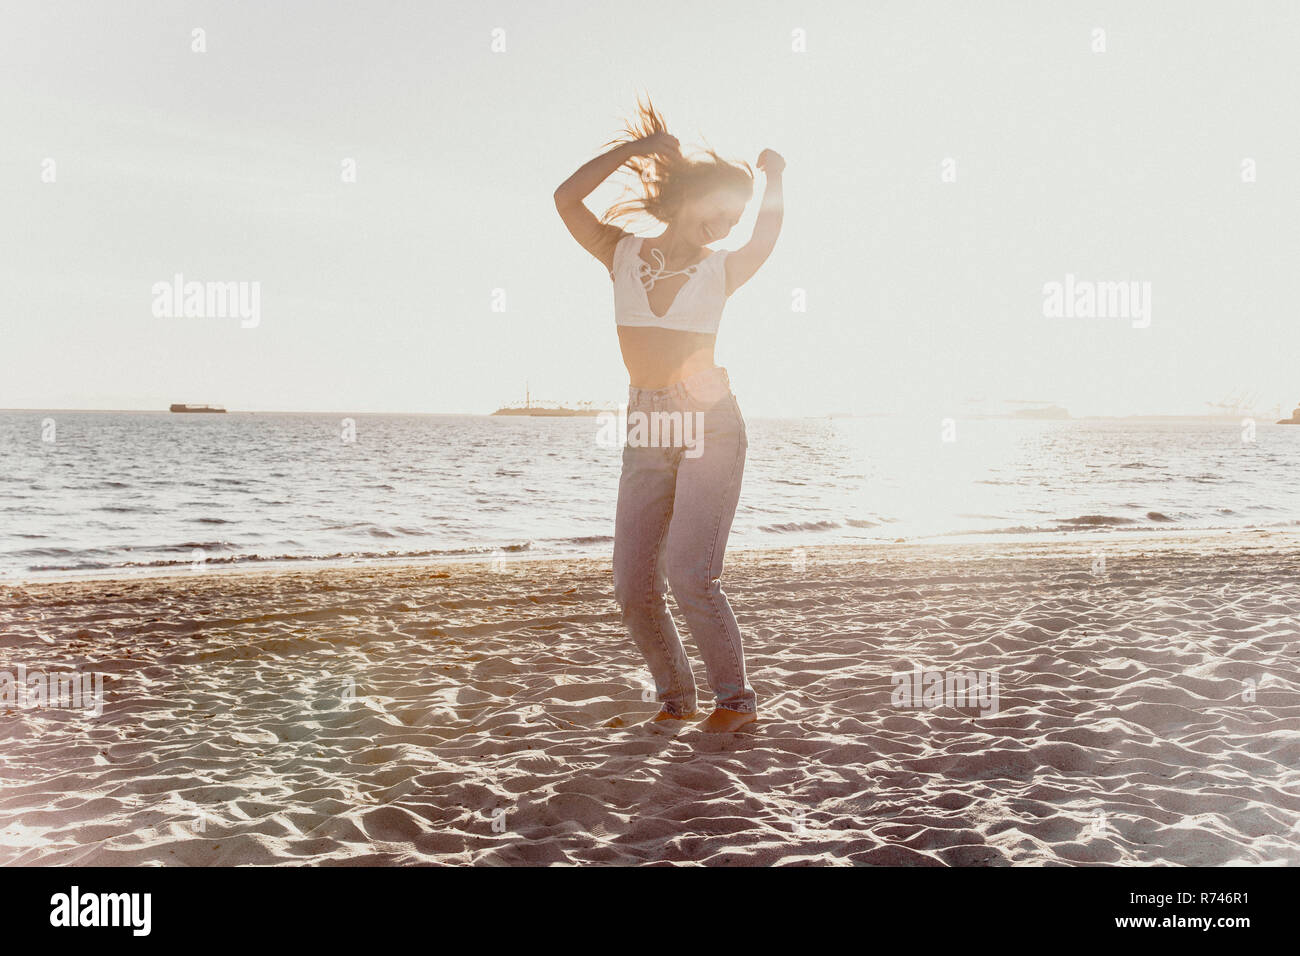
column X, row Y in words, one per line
column 99, row 492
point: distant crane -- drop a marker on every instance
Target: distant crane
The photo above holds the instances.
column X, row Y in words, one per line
column 1239, row 403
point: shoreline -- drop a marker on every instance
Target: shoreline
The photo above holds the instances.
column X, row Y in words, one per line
column 1125, row 539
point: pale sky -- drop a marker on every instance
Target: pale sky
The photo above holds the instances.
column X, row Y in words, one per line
column 1123, row 165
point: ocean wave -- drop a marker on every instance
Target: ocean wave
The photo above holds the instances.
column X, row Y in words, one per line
column 1095, row 521
column 800, row 526
column 191, row 546
column 255, row 558
column 29, row 553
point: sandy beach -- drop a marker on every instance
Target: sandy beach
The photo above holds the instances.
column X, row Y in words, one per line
column 1147, row 712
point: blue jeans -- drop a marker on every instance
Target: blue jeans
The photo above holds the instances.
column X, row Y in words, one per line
column 682, row 466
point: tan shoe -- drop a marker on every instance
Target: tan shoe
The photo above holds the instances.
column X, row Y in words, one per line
column 665, row 715
column 723, row 721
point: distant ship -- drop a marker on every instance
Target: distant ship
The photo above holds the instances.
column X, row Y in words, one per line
column 1293, row 420
column 1053, row 412
column 550, row 409
column 1016, row 408
column 198, row 408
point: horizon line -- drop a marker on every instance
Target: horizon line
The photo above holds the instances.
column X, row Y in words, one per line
column 830, row 414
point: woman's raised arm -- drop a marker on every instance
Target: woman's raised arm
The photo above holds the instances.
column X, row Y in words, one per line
column 744, row 262
column 597, row 237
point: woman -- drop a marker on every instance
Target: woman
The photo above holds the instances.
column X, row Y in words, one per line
column 677, row 498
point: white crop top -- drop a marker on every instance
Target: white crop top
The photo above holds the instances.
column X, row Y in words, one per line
column 699, row 301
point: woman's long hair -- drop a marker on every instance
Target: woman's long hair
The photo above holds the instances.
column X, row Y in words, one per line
column 665, row 181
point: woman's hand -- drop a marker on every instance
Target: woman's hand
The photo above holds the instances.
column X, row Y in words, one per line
column 664, row 144
column 770, row 162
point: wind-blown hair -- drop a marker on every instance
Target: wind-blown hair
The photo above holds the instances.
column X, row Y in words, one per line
column 667, row 181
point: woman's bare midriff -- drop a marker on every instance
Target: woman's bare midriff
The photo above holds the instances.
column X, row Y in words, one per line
column 658, row 357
